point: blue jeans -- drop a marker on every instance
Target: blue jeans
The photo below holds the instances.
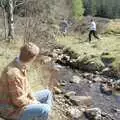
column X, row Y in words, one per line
column 39, row 111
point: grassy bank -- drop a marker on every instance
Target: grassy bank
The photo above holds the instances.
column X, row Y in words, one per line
column 109, row 44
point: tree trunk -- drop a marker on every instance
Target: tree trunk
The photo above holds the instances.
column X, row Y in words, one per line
column 5, row 26
column 10, row 20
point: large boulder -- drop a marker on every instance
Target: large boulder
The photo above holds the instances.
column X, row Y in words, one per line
column 70, row 93
column 116, row 85
column 90, row 64
column 106, row 89
column 93, row 114
column 81, row 100
column 107, row 59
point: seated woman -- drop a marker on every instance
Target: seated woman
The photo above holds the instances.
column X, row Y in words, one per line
column 16, row 99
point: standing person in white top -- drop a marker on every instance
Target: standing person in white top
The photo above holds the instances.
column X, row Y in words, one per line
column 93, row 30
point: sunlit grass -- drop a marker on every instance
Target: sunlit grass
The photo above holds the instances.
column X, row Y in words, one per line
column 109, row 43
column 114, row 26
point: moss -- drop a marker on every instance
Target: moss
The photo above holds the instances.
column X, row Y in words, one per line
column 90, row 63
column 71, row 53
column 94, row 64
column 106, row 50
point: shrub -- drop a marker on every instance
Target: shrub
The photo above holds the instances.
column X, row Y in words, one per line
column 78, row 9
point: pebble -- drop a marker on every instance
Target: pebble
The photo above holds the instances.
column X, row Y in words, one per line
column 75, row 79
column 93, row 113
column 57, row 90
column 74, row 113
column 104, row 88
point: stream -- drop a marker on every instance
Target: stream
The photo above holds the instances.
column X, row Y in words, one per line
column 108, row 104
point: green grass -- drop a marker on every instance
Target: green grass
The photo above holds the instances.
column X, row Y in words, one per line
column 113, row 27
column 110, row 43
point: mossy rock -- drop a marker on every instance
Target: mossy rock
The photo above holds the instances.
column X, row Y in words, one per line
column 94, row 65
column 70, row 53
column 90, row 64
column 107, row 59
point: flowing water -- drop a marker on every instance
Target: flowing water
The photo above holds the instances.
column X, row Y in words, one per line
column 109, row 104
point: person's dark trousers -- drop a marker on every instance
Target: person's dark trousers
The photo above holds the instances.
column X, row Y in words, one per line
column 94, row 33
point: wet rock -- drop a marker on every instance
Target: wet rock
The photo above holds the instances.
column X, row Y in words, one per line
column 56, row 67
column 60, row 57
column 97, row 79
column 106, row 70
column 57, row 51
column 57, row 90
column 115, row 110
column 87, row 63
column 74, row 64
column 93, row 66
column 87, row 75
column 54, row 55
column 104, row 80
column 116, row 85
column 104, row 88
column 45, row 59
column 62, row 84
column 97, row 72
column 93, row 114
column 63, row 60
column 81, row 100
column 107, row 59
column 75, row 79
column 66, row 57
column 74, row 113
column 90, row 84
column 110, row 72
column 70, row 93
column 67, row 102
column 70, row 53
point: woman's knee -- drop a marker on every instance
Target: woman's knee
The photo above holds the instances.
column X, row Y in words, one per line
column 42, row 110
column 47, row 92
column 46, row 110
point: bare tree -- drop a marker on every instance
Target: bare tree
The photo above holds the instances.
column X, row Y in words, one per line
column 10, row 19
column 9, row 8
column 12, row 4
column 4, row 15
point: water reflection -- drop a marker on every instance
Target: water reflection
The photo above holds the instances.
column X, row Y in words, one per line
column 116, row 94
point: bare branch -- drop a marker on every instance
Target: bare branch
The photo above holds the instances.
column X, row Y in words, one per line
column 18, row 4
column 1, row 2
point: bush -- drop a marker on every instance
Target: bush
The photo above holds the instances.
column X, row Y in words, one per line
column 78, row 9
